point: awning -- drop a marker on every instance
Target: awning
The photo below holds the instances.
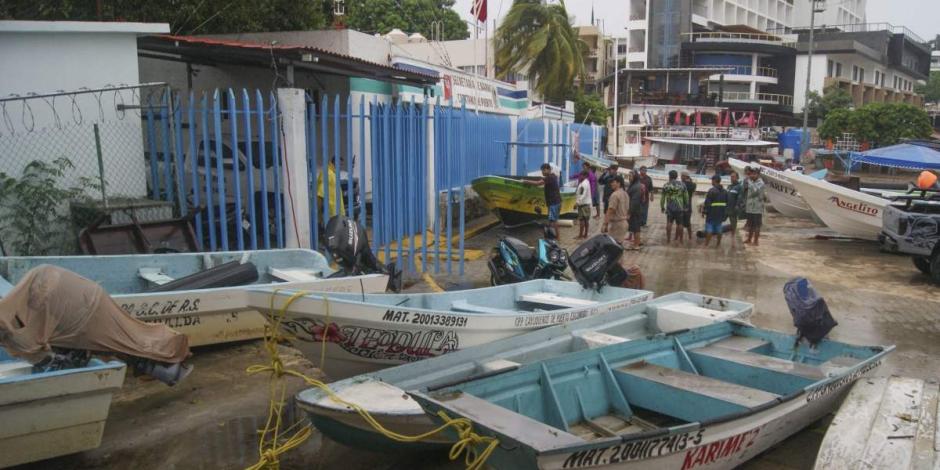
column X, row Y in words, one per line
column 726, row 142
column 913, row 155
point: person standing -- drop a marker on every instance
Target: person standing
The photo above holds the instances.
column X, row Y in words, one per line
column 595, row 191
column 734, row 196
column 605, row 180
column 618, row 211
column 648, row 183
column 687, row 216
column 673, row 201
column 638, row 198
column 583, row 200
column 754, row 197
column 552, row 194
column 715, row 210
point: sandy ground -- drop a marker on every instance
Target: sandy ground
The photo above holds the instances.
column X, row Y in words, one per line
column 210, row 421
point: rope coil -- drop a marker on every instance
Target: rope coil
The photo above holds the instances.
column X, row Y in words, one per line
column 271, row 446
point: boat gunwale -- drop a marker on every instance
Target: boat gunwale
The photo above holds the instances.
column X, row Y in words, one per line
column 95, row 365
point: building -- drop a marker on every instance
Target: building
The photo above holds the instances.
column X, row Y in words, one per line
column 595, row 56
column 473, row 56
column 875, row 63
column 935, row 61
column 836, row 13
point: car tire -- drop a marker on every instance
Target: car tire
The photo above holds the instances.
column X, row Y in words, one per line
column 922, row 263
column 935, row 267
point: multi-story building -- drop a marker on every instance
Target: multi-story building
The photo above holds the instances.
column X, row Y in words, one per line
column 595, row 55
column 835, row 13
column 875, row 63
column 935, row 61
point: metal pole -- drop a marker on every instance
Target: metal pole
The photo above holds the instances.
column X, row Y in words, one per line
column 804, row 138
column 616, row 93
column 104, row 196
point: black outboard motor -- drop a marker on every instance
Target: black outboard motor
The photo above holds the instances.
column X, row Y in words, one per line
column 596, row 262
column 348, row 244
column 811, row 315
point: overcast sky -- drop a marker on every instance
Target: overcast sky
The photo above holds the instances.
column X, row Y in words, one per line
column 920, row 16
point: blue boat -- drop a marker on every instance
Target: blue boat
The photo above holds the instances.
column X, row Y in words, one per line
column 382, row 393
column 709, row 398
column 48, row 414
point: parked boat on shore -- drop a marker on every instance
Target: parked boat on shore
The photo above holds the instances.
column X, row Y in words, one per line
column 48, row 414
column 702, row 182
column 369, row 332
column 382, row 393
column 709, row 398
column 517, row 203
column 154, row 288
column 850, row 213
column 784, row 198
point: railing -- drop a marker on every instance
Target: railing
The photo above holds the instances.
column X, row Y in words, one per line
column 747, row 70
column 637, row 16
column 648, row 97
column 858, row 28
column 772, row 98
column 703, row 133
column 721, row 36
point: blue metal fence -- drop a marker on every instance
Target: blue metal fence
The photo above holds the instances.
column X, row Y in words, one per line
column 219, row 154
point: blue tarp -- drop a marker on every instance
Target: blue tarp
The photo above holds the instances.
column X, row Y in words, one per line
column 909, row 156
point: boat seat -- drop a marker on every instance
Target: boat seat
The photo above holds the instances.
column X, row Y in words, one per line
column 550, row 298
column 497, row 365
column 699, row 384
column 463, row 306
column 295, row 274
column 517, row 426
column 741, row 343
column 596, row 339
column 14, row 368
column 762, row 361
column 154, row 275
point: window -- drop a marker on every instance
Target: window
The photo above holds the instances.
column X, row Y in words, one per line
column 838, row 69
column 877, row 77
column 830, row 67
column 861, row 75
column 895, row 82
column 854, row 73
column 882, row 79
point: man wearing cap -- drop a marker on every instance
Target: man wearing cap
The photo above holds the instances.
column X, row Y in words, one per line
column 618, row 211
column 605, row 180
column 648, row 183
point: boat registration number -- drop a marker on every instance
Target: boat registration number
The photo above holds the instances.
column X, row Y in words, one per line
column 638, row 450
column 430, row 319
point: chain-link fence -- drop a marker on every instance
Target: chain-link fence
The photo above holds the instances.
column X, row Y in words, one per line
column 65, row 158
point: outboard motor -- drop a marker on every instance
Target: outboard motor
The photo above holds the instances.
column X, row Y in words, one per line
column 811, row 315
column 347, row 242
column 515, row 261
column 596, row 263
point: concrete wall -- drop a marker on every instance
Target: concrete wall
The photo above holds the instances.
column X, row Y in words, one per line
column 817, row 80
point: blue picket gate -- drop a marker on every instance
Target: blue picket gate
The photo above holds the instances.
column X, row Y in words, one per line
column 219, row 154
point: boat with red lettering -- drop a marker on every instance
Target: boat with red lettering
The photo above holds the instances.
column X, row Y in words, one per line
column 382, row 393
column 199, row 294
column 849, row 212
column 708, row 398
column 784, row 198
column 364, row 333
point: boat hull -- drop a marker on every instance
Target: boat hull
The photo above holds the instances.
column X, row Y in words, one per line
column 56, row 413
column 517, row 203
column 702, row 182
column 783, row 196
column 848, row 212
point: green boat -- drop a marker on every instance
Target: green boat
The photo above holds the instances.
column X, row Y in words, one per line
column 517, row 203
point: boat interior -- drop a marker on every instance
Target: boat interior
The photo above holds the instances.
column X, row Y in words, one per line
column 131, row 274
column 13, row 369
column 510, row 299
column 644, row 385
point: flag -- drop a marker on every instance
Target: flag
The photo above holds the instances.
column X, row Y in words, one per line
column 478, row 10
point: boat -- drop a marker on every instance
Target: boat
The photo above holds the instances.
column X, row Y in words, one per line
column 702, row 182
column 783, row 196
column 885, row 423
column 382, row 393
column 368, row 332
column 517, row 203
column 48, row 414
column 850, row 213
column 205, row 315
column 709, row 398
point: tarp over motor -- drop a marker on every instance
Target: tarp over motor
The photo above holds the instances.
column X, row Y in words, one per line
column 52, row 306
column 912, row 155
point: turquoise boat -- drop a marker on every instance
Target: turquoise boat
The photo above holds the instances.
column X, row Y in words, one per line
column 382, row 393
column 709, row 398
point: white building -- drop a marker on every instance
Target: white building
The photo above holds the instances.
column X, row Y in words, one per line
column 935, row 61
column 837, row 13
column 43, row 57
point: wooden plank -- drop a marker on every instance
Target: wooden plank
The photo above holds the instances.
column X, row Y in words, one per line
column 154, row 276
column 740, row 343
column 596, row 339
column 713, row 388
column 891, row 441
column 763, row 362
column 549, row 298
column 844, row 444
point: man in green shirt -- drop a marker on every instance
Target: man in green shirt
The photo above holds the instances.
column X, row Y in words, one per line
column 673, row 203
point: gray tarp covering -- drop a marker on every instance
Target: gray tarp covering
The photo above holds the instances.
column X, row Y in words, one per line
column 52, row 306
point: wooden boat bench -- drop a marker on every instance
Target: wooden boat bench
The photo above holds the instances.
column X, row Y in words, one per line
column 463, row 306
column 154, row 276
column 555, row 300
column 596, row 339
column 295, row 274
column 685, row 395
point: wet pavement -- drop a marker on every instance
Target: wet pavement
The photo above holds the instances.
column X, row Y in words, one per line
column 877, row 298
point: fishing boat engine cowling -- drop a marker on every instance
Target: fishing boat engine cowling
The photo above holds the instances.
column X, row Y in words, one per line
column 596, row 263
column 348, row 243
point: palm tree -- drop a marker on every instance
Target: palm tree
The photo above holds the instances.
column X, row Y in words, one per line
column 537, row 37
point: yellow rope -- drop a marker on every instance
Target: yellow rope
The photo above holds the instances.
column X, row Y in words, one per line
column 270, row 446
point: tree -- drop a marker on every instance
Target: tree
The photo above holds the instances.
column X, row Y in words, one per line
column 880, row 124
column 589, row 108
column 537, row 38
column 184, row 16
column 381, row 16
column 832, row 98
column 931, row 90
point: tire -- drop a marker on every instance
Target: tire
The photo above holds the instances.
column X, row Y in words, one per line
column 935, row 267
column 922, row 263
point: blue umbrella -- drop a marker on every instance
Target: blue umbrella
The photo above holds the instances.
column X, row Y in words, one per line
column 912, row 156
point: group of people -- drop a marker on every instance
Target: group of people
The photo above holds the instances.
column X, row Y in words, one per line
column 626, row 204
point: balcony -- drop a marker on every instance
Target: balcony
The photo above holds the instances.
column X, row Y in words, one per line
column 703, row 133
column 746, row 73
column 757, row 98
column 737, row 38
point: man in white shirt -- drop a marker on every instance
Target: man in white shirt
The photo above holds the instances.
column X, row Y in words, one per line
column 583, row 201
